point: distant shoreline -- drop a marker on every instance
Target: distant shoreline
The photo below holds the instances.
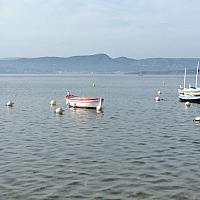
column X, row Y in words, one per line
column 98, row 63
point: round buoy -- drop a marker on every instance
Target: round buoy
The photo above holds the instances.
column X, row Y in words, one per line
column 197, row 119
column 93, row 84
column 99, row 107
column 157, row 98
column 159, row 92
column 59, row 111
column 188, row 104
column 10, row 103
column 52, row 102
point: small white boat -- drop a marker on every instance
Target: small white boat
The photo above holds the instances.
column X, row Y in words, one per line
column 73, row 101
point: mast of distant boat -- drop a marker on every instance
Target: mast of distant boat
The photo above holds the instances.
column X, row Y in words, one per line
column 184, row 79
column 197, row 74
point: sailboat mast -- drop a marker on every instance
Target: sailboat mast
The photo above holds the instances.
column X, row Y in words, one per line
column 197, row 74
column 184, row 79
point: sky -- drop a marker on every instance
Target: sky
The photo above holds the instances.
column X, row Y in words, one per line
column 132, row 28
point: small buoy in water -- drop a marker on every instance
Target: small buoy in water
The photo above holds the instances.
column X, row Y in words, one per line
column 188, row 104
column 52, row 102
column 10, row 103
column 157, row 98
column 93, row 84
column 59, row 111
column 99, row 107
column 197, row 119
column 159, row 92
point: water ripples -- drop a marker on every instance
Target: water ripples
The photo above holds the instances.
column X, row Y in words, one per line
column 135, row 149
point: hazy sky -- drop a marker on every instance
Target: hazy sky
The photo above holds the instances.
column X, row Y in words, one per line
column 132, row 28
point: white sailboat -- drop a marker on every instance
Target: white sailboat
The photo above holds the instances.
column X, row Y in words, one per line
column 191, row 94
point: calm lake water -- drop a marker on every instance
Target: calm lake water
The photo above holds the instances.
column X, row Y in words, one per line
column 135, row 149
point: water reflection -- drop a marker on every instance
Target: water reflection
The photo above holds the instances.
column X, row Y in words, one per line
column 86, row 113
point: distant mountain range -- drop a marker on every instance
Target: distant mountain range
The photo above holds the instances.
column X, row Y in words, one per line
column 98, row 63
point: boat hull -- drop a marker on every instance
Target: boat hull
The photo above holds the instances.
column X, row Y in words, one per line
column 189, row 98
column 83, row 102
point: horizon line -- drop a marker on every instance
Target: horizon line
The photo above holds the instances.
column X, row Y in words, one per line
column 16, row 57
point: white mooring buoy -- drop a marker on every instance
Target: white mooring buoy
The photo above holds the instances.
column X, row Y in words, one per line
column 188, row 104
column 59, row 111
column 52, row 103
column 159, row 92
column 10, row 103
column 157, row 98
column 99, row 107
column 197, row 119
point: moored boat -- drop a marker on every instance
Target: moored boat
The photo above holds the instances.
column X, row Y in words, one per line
column 73, row 101
column 191, row 94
